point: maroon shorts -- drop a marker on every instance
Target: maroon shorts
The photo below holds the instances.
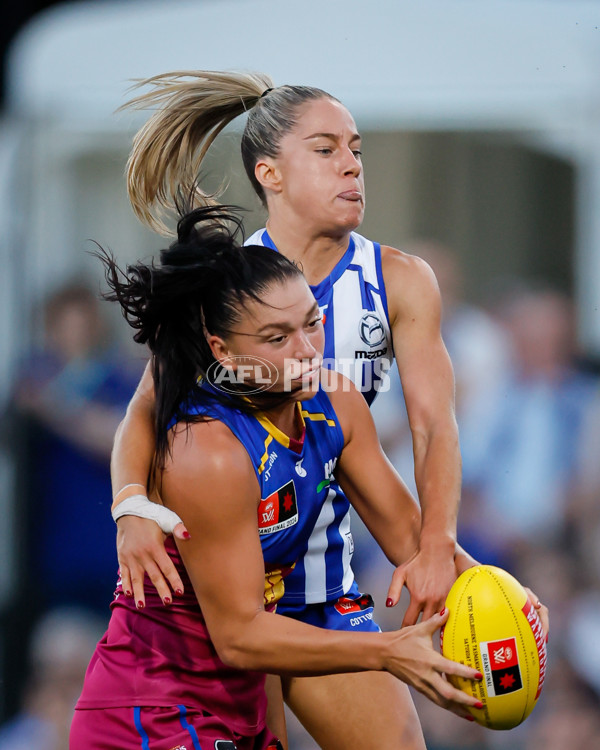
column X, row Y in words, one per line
column 174, row 728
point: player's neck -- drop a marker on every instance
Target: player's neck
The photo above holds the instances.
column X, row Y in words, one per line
column 286, row 419
column 316, row 253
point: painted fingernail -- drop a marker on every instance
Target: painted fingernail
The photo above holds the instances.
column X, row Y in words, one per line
column 479, row 704
column 389, row 603
column 547, row 634
column 443, row 611
column 167, row 600
column 179, row 592
column 140, row 604
column 128, row 593
column 469, row 718
column 478, row 676
column 186, row 534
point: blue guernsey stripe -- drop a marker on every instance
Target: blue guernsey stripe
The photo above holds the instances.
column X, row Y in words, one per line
column 137, row 720
column 380, row 281
column 328, row 330
column 320, row 289
column 186, row 725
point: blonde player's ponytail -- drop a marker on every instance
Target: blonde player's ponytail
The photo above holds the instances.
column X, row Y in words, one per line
column 193, row 108
column 168, row 150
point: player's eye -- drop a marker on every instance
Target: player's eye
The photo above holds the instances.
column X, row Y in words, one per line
column 277, row 339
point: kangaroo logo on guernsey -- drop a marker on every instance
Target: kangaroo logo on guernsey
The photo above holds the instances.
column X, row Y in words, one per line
column 279, row 510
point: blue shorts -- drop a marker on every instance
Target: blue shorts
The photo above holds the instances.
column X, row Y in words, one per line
column 351, row 612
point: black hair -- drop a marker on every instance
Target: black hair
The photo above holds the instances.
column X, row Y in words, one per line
column 201, row 285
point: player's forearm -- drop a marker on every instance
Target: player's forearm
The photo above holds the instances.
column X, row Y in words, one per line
column 133, row 450
column 264, row 644
column 438, row 480
column 393, row 517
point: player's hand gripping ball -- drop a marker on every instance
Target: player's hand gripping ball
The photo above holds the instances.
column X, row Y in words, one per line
column 494, row 628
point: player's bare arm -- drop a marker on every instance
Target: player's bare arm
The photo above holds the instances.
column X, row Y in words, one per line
column 140, row 541
column 368, row 479
column 428, row 385
column 375, row 488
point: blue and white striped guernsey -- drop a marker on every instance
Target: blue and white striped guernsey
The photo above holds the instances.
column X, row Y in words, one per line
column 358, row 340
column 303, row 516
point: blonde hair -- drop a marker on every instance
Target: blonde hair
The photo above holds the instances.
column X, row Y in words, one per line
column 193, row 108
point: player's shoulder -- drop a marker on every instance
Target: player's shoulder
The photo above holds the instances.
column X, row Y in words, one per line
column 347, row 401
column 207, row 448
column 398, row 263
column 410, row 282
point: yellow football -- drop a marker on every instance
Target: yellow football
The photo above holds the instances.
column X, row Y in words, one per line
column 494, row 628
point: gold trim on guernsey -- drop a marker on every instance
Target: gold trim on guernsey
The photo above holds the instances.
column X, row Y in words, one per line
column 274, row 434
column 317, row 417
column 265, row 455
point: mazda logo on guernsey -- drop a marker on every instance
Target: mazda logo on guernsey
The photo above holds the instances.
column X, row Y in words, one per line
column 255, row 374
column 370, row 329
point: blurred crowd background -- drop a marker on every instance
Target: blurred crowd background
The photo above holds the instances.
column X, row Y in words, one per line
column 495, row 210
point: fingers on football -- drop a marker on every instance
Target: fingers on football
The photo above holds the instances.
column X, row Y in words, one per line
column 541, row 610
column 454, row 699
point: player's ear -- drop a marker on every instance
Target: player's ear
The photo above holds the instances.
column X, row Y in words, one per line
column 268, row 175
column 220, row 351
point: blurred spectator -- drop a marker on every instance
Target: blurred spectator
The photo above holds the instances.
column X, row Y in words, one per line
column 523, row 463
column 59, row 651
column 70, row 396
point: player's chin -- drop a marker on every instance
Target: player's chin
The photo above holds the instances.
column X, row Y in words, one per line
column 351, row 214
column 302, row 389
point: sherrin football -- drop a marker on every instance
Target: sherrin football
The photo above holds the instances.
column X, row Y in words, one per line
column 494, row 628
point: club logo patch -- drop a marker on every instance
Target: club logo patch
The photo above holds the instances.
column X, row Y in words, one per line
column 500, row 661
column 279, row 510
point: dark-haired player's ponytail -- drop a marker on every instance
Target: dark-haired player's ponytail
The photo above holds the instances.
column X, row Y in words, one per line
column 201, row 285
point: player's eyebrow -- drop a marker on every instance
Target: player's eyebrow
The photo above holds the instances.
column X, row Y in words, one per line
column 332, row 137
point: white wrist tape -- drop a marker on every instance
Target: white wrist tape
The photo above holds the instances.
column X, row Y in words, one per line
column 139, row 505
